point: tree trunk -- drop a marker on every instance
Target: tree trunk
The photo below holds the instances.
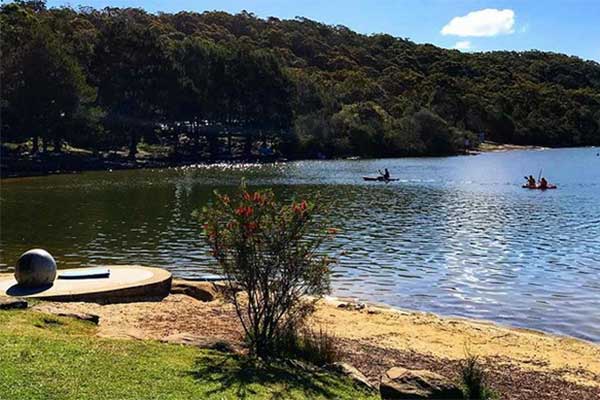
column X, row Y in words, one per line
column 176, row 144
column 45, row 145
column 248, row 145
column 57, row 145
column 213, row 144
column 36, row 145
column 133, row 142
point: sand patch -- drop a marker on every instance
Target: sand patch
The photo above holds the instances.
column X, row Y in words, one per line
column 575, row 360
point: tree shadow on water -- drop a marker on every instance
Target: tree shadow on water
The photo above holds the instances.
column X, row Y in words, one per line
column 246, row 378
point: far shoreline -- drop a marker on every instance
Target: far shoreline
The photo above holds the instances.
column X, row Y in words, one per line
column 493, row 147
column 96, row 165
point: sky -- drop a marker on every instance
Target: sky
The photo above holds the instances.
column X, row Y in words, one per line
column 564, row 26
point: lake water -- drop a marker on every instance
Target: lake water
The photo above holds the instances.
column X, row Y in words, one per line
column 456, row 236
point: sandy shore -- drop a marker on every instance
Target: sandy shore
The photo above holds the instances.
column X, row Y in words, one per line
column 451, row 338
column 521, row 362
column 488, row 147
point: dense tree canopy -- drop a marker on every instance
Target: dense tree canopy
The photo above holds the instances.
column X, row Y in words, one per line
column 106, row 79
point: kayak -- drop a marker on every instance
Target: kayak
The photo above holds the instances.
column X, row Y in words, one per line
column 379, row 179
column 539, row 188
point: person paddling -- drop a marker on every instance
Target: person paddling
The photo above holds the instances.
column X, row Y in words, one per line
column 385, row 175
column 543, row 183
column 531, row 181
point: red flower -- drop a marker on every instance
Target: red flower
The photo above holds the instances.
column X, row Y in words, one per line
column 300, row 208
column 244, row 211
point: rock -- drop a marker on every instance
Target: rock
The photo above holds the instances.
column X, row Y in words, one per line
column 402, row 383
column 35, row 268
column 10, row 303
column 95, row 319
column 351, row 372
column 203, row 291
column 203, row 342
column 353, row 306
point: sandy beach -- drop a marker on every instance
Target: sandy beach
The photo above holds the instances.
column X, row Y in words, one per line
column 490, row 147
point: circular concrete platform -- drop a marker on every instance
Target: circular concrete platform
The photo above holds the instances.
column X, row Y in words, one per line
column 125, row 283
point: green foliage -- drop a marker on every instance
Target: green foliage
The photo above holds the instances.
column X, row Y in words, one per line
column 66, row 361
column 474, row 381
column 268, row 250
column 361, row 127
column 45, row 87
column 184, row 79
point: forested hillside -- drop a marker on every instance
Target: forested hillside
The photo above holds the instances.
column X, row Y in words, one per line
column 105, row 79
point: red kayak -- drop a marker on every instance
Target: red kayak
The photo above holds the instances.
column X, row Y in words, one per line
column 539, row 187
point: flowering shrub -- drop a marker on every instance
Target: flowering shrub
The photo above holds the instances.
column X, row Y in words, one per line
column 268, row 250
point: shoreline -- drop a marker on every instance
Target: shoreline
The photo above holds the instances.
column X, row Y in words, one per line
column 66, row 163
column 521, row 363
column 375, row 337
column 369, row 305
column 434, row 325
column 336, row 300
column 493, row 147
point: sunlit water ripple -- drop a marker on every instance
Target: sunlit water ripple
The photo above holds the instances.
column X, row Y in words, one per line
column 457, row 236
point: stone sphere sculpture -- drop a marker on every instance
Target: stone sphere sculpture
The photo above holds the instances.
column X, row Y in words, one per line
column 35, row 268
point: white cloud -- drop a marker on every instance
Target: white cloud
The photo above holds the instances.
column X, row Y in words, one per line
column 488, row 22
column 463, row 45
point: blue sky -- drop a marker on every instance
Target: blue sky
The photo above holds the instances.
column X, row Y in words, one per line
column 567, row 26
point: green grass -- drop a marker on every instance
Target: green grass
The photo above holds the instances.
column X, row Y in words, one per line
column 48, row 357
column 475, row 386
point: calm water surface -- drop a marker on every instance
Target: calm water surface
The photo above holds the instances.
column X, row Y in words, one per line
column 456, row 236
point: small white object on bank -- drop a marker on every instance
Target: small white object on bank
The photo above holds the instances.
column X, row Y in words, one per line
column 35, row 268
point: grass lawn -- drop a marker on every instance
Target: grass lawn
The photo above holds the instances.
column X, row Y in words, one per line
column 48, row 357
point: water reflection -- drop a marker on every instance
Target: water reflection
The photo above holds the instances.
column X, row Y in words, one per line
column 455, row 236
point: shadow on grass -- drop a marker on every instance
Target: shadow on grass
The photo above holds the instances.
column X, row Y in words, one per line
column 246, row 378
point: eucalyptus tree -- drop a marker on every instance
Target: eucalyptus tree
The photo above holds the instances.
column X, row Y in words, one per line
column 44, row 87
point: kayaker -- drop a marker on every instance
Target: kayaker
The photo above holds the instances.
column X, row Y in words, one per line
column 543, row 183
column 385, row 175
column 531, row 181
